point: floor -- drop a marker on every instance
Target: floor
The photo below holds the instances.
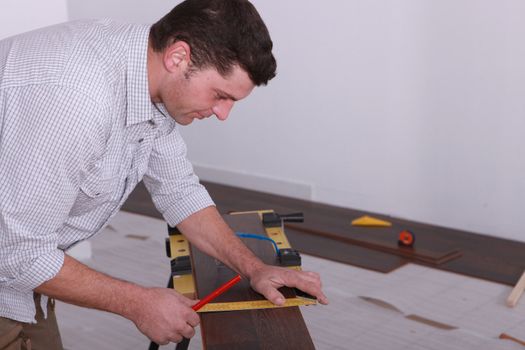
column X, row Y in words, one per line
column 414, row 307
column 490, row 258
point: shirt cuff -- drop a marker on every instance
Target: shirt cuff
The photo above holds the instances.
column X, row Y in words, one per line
column 42, row 269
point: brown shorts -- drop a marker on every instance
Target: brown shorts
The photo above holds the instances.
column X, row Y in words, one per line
column 43, row 335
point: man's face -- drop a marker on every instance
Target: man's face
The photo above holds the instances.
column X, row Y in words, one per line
column 203, row 93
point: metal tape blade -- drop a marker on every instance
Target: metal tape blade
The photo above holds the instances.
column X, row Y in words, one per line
column 255, row 305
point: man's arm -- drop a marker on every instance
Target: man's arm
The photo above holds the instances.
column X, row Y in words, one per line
column 210, row 233
column 162, row 314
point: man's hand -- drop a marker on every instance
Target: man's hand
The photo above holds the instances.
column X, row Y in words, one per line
column 207, row 230
column 267, row 279
column 164, row 315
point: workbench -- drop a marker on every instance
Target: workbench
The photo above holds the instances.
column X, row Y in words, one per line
column 251, row 329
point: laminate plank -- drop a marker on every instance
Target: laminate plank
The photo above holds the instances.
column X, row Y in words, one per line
column 486, row 257
column 491, row 258
column 483, row 256
column 334, row 223
column 383, row 239
column 344, row 252
column 251, row 329
column 256, row 329
column 341, row 325
column 233, row 199
column 210, row 274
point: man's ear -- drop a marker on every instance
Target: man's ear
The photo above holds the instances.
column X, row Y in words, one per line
column 177, row 56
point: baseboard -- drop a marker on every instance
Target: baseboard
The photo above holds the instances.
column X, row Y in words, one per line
column 254, row 182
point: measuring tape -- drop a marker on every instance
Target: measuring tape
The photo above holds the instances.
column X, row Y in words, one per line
column 255, row 305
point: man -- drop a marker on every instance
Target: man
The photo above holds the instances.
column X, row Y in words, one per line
column 87, row 110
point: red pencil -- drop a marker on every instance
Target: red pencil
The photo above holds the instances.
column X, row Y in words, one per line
column 185, row 342
column 216, row 293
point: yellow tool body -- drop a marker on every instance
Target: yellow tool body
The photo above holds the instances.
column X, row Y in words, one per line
column 185, row 283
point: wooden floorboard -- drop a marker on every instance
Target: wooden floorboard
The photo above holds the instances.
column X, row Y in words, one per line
column 210, row 274
column 344, row 252
column 378, row 238
column 477, row 307
column 250, row 329
column 482, row 256
column 230, row 199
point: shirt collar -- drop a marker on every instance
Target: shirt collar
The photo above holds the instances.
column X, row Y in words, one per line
column 139, row 105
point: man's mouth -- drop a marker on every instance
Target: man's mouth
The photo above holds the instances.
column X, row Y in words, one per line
column 203, row 115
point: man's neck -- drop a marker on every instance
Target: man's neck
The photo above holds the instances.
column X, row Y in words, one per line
column 154, row 73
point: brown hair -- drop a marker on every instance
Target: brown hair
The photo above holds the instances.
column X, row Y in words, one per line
column 221, row 34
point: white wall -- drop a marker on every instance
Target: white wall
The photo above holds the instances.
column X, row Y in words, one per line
column 134, row 11
column 18, row 16
column 412, row 108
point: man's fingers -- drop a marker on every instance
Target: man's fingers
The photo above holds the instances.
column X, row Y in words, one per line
column 316, row 292
column 271, row 278
column 273, row 295
column 310, row 282
column 193, row 320
column 191, row 302
column 175, row 339
column 161, row 341
column 311, row 274
column 323, row 299
column 187, row 331
column 182, row 298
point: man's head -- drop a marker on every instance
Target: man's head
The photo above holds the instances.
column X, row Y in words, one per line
column 221, row 34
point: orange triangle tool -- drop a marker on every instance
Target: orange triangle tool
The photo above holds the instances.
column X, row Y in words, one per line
column 370, row 221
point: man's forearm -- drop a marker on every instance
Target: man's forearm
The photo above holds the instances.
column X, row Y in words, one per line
column 210, row 233
column 78, row 284
column 162, row 314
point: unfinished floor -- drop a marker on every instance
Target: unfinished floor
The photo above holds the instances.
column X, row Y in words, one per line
column 414, row 307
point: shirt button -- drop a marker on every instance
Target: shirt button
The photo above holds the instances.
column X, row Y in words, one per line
column 140, row 140
column 151, row 122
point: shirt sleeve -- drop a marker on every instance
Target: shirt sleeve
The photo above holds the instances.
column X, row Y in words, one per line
column 174, row 187
column 47, row 136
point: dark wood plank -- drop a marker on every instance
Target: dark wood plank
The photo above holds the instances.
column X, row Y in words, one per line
column 344, row 252
column 491, row 258
column 210, row 274
column 232, row 199
column 255, row 330
column 383, row 239
column 251, row 329
column 483, row 256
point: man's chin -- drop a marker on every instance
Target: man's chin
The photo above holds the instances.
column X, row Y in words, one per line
column 184, row 120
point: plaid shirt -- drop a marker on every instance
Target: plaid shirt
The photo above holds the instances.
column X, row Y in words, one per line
column 78, row 131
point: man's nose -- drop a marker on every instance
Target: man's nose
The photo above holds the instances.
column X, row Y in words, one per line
column 222, row 109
